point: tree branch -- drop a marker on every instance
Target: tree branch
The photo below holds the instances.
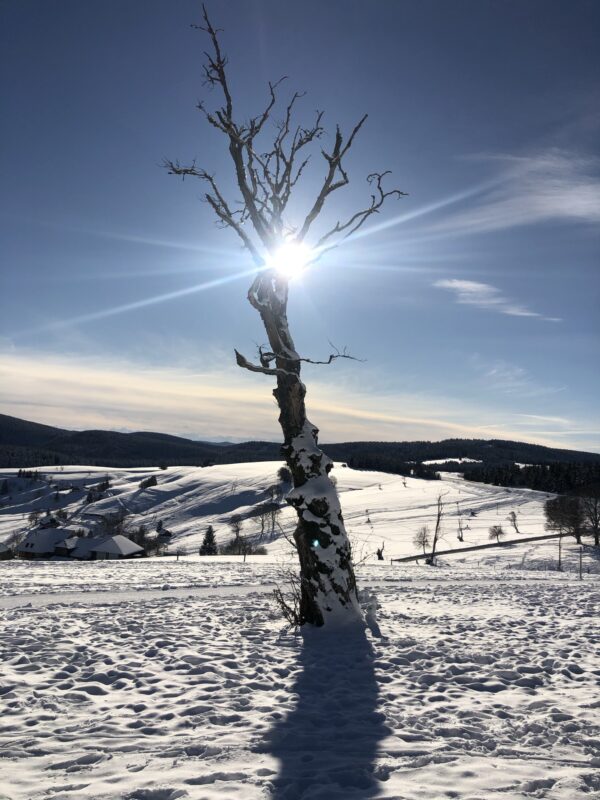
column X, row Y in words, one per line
column 267, row 178
column 356, row 220
column 243, row 362
column 266, row 357
column 217, row 203
column 334, row 159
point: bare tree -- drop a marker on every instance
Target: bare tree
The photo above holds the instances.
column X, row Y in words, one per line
column 267, row 174
column 274, row 514
column 437, row 531
column 239, row 545
column 422, row 538
column 496, row 531
column 236, row 523
column 512, row 518
column 590, row 505
column 263, row 514
column 564, row 513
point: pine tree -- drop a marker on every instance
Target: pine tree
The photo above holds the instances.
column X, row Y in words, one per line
column 209, row 543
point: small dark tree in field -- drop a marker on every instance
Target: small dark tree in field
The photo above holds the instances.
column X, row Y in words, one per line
column 238, row 545
column 209, row 543
column 267, row 169
column 236, row 524
column 148, row 482
column 422, row 538
column 496, row 532
column 380, row 552
column 284, row 474
column 512, row 518
column 564, row 514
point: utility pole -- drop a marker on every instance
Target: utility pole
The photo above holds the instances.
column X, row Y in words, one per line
column 560, row 553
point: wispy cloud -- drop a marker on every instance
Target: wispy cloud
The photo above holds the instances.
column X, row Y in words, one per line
column 95, row 392
column 543, row 419
column 488, row 297
column 502, row 376
column 549, row 186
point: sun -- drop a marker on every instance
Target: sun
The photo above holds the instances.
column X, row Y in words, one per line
column 290, row 259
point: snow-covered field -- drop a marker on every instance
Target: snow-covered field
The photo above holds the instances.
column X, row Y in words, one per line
column 158, row 679
column 378, row 508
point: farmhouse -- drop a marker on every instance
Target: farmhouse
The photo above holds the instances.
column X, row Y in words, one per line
column 67, row 543
column 103, row 547
column 40, row 543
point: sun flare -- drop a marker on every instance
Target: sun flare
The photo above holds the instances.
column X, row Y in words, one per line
column 291, row 259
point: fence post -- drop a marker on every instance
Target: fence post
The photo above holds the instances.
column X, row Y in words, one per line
column 581, row 563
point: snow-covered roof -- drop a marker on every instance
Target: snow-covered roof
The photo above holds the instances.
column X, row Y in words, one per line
column 74, row 530
column 113, row 545
column 42, row 541
column 49, row 521
column 70, row 543
column 117, row 545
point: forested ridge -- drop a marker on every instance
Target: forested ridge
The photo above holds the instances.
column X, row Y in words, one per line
column 27, row 444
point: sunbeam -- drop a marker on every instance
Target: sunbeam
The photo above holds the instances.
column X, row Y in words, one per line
column 148, row 301
column 153, row 242
column 424, row 210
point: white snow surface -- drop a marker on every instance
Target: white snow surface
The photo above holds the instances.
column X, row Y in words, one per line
column 157, row 679
column 453, row 460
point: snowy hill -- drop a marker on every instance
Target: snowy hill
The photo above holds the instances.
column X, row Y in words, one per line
column 28, row 444
column 158, row 679
column 378, row 508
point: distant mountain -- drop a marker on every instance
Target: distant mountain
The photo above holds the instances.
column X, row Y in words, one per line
column 29, row 444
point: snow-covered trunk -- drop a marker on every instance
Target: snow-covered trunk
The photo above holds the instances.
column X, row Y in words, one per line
column 328, row 584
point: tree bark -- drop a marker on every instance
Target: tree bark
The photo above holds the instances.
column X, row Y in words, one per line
column 327, row 580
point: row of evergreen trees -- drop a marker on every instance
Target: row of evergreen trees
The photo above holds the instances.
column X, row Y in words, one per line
column 386, row 462
column 558, row 478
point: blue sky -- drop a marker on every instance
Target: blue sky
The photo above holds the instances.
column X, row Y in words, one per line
column 473, row 300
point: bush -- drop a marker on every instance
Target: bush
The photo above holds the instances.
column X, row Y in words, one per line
column 240, row 546
column 148, row 482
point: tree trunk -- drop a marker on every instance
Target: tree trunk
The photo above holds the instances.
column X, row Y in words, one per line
column 327, row 581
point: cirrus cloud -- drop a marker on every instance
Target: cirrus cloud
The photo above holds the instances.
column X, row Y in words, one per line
column 488, row 297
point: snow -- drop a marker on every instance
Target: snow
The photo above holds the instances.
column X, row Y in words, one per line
column 157, row 679
column 453, row 460
column 377, row 507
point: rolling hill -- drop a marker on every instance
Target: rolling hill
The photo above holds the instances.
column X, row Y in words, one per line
column 29, row 444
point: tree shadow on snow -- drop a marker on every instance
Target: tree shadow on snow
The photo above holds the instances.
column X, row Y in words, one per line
column 328, row 743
